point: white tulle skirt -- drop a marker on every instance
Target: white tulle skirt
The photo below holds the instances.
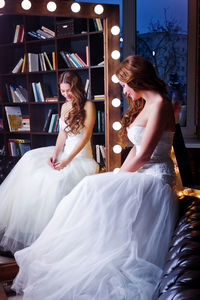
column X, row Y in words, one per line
column 31, row 193
column 106, row 241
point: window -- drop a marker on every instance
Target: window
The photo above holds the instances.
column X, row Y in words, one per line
column 168, row 31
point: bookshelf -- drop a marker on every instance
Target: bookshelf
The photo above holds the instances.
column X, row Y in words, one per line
column 84, row 38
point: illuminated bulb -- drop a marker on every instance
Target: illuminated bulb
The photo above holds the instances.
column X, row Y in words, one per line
column 180, row 193
column 117, row 149
column 116, row 102
column 115, row 54
column 98, row 9
column 75, row 7
column 115, row 30
column 116, row 125
column 116, row 170
column 2, row 3
column 26, row 4
column 115, row 79
column 51, row 6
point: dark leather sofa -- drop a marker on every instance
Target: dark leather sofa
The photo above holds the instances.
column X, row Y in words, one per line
column 181, row 275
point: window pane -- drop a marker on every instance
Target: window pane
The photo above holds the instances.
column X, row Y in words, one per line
column 161, row 37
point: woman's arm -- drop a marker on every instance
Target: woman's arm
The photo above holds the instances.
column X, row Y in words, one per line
column 90, row 117
column 62, row 136
column 152, row 134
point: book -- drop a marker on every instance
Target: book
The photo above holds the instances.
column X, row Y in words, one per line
column 84, row 64
column 99, row 97
column 48, row 61
column 48, row 119
column 16, row 35
column 18, row 66
column 86, row 85
column 52, row 122
column 24, row 64
column 33, row 62
column 21, row 34
column 26, row 122
column 98, row 154
column 39, row 92
column 14, row 118
column 51, row 32
column 65, row 59
column 99, row 24
column 22, row 93
column 99, row 120
column 103, row 152
column 44, row 34
column 54, row 60
column 17, row 147
column 87, row 55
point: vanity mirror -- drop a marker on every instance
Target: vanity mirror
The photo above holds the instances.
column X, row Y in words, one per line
column 88, row 30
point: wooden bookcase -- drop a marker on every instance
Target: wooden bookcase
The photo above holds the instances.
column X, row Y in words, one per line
column 100, row 45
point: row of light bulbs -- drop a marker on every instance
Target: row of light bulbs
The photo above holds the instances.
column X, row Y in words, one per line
column 52, row 6
column 115, row 30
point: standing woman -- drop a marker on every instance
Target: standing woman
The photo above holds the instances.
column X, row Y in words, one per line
column 109, row 236
column 31, row 192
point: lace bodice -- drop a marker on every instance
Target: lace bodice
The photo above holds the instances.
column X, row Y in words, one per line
column 160, row 164
column 72, row 140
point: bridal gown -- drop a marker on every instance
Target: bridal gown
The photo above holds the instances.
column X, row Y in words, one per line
column 31, row 192
column 109, row 236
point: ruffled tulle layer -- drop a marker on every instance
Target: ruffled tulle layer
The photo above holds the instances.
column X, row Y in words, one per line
column 106, row 241
column 31, row 193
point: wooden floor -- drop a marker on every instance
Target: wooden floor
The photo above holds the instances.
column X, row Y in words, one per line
column 8, row 271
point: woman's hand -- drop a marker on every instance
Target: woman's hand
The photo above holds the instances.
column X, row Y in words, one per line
column 60, row 164
column 52, row 161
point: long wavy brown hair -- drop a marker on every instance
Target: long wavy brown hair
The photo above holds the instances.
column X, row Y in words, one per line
column 140, row 75
column 75, row 118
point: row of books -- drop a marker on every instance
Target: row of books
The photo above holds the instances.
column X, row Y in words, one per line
column 52, row 121
column 36, row 62
column 100, row 154
column 16, row 93
column 16, row 120
column 19, row 34
column 42, row 34
column 42, row 93
column 73, row 60
column 100, row 122
column 98, row 24
column 18, row 147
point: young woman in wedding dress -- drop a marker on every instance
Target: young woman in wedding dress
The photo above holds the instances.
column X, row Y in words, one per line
column 43, row 176
column 109, row 236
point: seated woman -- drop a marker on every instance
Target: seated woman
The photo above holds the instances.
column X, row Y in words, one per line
column 109, row 236
column 43, row 176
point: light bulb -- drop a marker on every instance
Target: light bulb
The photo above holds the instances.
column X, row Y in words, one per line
column 26, row 4
column 115, row 54
column 98, row 9
column 51, row 6
column 117, row 149
column 116, row 170
column 2, row 3
column 116, row 125
column 115, row 79
column 116, row 102
column 75, row 7
column 115, row 30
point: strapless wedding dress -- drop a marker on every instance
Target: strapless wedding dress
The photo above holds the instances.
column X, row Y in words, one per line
column 33, row 189
column 109, row 236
